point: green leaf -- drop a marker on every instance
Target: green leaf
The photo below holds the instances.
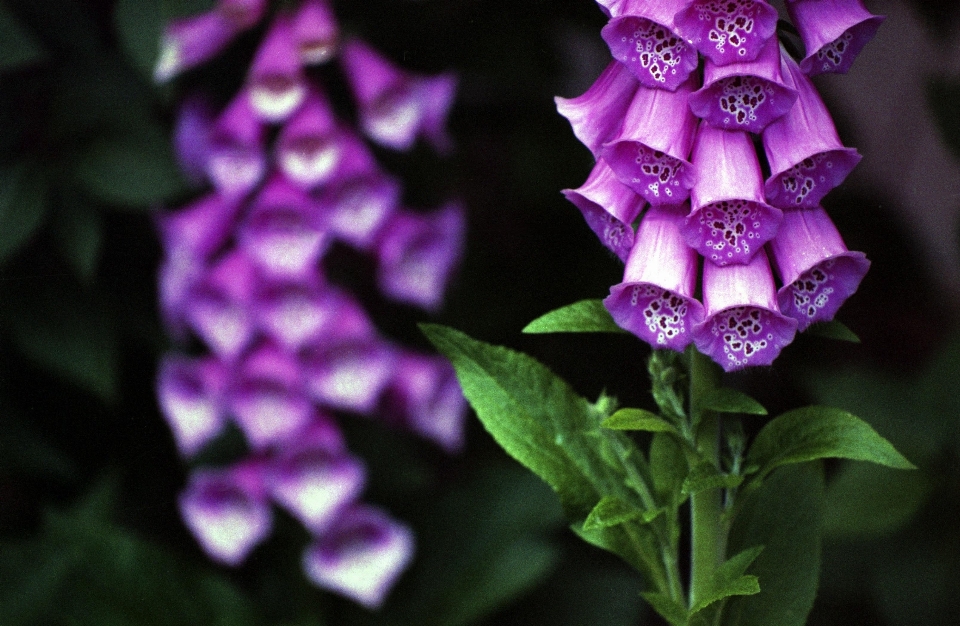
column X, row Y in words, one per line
column 867, row 501
column 818, row 432
column 543, row 424
column 132, row 171
column 675, row 613
column 585, row 316
column 668, row 465
column 833, row 330
column 784, row 516
column 638, row 419
column 24, row 195
column 18, row 46
column 730, row 580
column 705, row 476
column 78, row 231
column 726, row 400
column 611, row 511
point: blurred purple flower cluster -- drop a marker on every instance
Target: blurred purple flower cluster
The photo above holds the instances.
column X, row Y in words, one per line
column 675, row 151
column 283, row 347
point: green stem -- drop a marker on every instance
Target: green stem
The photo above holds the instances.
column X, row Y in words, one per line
column 708, row 531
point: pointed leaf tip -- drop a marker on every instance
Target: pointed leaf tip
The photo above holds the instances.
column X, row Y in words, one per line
column 638, row 419
column 585, row 316
column 726, row 400
column 833, row 330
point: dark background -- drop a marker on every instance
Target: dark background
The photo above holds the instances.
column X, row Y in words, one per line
column 89, row 532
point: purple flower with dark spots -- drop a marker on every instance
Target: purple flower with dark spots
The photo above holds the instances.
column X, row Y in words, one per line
column 744, row 95
column 308, row 147
column 191, row 41
column 609, row 208
column 727, row 31
column 348, row 373
column 650, row 152
column 743, row 325
column 642, row 36
column 597, row 115
column 656, row 300
column 237, row 160
column 730, row 221
column 217, row 307
column 417, row 253
column 397, row 107
column 268, row 399
column 276, row 84
column 227, row 511
column 361, row 557
column 817, row 271
column 833, row 32
column 294, row 311
column 191, row 396
column 806, row 157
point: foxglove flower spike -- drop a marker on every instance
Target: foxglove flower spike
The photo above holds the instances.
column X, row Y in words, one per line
column 833, row 32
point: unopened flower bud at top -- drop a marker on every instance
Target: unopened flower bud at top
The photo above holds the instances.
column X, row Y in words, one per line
column 833, row 32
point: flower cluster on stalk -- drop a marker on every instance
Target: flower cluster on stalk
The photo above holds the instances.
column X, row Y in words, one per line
column 672, row 123
column 282, row 348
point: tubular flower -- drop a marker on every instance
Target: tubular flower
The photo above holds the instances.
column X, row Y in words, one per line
column 655, row 300
column 833, row 32
column 806, row 157
column 656, row 138
column 817, row 271
column 276, row 348
column 192, row 41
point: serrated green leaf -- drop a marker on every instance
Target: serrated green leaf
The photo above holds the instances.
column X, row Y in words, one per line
column 833, row 330
column 784, row 516
column 868, row 501
column 730, row 580
column 585, row 316
column 543, row 424
column 726, row 400
column 705, row 476
column 18, row 46
column 818, row 432
column 667, row 607
column 611, row 511
column 638, row 419
column 24, row 195
column 131, row 171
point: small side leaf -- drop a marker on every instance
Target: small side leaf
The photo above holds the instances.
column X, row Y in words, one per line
column 585, row 316
column 726, row 400
column 817, row 432
column 833, row 330
column 638, row 419
column 705, row 476
column 668, row 608
column 730, row 580
column 612, row 511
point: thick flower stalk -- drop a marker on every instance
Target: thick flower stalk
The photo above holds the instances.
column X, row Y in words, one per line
column 661, row 133
column 279, row 350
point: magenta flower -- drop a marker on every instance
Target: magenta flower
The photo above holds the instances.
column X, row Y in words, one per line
column 817, row 271
column 609, row 208
column 191, row 396
column 729, row 222
column 227, row 511
column 361, row 556
column 417, row 253
column 833, row 32
column 243, row 13
column 597, row 115
column 237, row 160
column 656, row 300
column 348, row 373
column 191, row 41
column 294, row 311
column 191, row 137
column 642, row 36
column 275, row 83
column 283, row 232
column 396, row 107
column 743, row 325
column 267, row 398
column 806, row 157
column 218, row 305
column 315, row 32
column 744, row 95
column 308, row 149
column 424, row 396
column 199, row 229
column 650, row 152
column 727, row 31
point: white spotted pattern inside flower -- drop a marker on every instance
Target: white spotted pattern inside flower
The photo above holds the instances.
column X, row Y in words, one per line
column 732, row 20
column 811, row 292
column 831, row 55
column 741, row 97
column 658, row 174
column 743, row 333
column 658, row 50
column 614, row 234
column 801, row 180
column 664, row 313
column 727, row 229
